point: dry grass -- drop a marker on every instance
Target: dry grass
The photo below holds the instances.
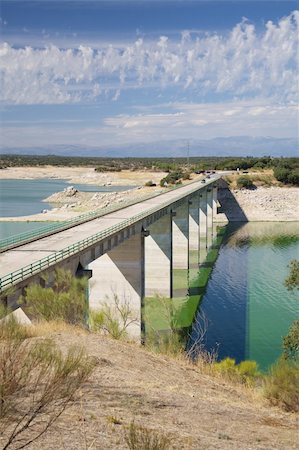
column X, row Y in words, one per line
column 44, row 328
column 167, row 395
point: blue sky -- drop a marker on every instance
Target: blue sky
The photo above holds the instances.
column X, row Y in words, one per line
column 120, row 72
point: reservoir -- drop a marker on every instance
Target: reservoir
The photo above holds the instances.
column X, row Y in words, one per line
column 24, row 197
column 247, row 308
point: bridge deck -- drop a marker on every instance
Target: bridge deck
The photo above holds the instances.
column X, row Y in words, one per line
column 15, row 259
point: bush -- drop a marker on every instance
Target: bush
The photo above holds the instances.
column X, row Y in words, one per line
column 282, row 385
column 113, row 318
column 37, row 383
column 291, row 342
column 65, row 301
column 150, row 183
column 245, row 182
column 292, row 280
column 287, row 175
column 172, row 178
column 293, row 178
column 245, row 371
column 141, row 438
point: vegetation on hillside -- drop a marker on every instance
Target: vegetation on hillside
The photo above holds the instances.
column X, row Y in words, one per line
column 286, row 170
column 37, row 383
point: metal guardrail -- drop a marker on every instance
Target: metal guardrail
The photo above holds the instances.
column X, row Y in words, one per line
column 36, row 267
column 44, row 231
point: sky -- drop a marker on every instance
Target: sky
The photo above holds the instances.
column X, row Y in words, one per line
column 119, row 73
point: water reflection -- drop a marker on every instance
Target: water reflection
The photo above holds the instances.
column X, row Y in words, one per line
column 247, row 306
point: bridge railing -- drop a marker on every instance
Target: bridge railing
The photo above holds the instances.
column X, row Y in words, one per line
column 44, row 263
column 47, row 230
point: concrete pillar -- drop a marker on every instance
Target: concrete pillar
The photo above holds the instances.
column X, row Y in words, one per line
column 215, row 191
column 202, row 225
column 193, row 236
column 209, row 216
column 119, row 273
column 158, row 258
column 180, row 249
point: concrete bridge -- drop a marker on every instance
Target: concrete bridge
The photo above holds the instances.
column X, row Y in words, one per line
column 149, row 249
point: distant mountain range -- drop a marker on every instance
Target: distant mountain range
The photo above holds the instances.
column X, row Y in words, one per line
column 227, row 146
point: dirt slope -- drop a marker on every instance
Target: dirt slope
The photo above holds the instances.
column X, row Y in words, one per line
column 198, row 411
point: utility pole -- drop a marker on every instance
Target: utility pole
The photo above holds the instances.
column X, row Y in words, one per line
column 188, row 151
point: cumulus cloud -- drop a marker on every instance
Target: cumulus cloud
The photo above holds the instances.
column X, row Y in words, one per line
column 242, row 63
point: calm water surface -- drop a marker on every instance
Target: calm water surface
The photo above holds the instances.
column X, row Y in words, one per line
column 247, row 307
column 24, row 197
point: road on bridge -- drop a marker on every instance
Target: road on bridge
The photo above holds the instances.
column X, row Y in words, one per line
column 24, row 255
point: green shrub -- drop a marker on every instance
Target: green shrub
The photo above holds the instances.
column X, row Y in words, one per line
column 245, row 372
column 291, row 342
column 141, row 438
column 282, row 385
column 150, row 183
column 168, row 343
column 287, row 175
column 186, row 176
column 226, row 366
column 292, row 280
column 247, row 369
column 113, row 318
column 172, row 178
column 66, row 300
column 244, row 182
column 293, row 178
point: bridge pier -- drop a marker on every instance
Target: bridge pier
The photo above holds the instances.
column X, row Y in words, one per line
column 158, row 259
column 202, row 226
column 118, row 276
column 180, row 249
column 194, row 236
column 209, row 217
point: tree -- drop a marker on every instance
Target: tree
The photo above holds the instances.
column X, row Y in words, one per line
column 291, row 340
column 292, row 281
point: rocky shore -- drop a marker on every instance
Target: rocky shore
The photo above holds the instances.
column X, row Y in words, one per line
column 275, row 204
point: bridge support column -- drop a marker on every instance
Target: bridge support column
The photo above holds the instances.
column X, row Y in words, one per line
column 157, row 259
column 209, row 217
column 180, row 249
column 215, row 193
column 118, row 276
column 202, row 226
column 193, row 236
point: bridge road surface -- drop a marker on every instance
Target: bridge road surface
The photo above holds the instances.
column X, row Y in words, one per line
column 19, row 257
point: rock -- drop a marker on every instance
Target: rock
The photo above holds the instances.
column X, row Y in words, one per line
column 70, row 191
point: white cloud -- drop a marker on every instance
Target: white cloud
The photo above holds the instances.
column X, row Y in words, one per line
column 243, row 63
column 205, row 121
column 188, row 121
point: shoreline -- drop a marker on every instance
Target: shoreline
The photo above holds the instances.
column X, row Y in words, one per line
column 264, row 204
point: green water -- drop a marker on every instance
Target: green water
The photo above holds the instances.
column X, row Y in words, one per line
column 247, row 306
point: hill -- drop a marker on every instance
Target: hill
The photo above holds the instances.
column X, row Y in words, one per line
column 163, row 394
